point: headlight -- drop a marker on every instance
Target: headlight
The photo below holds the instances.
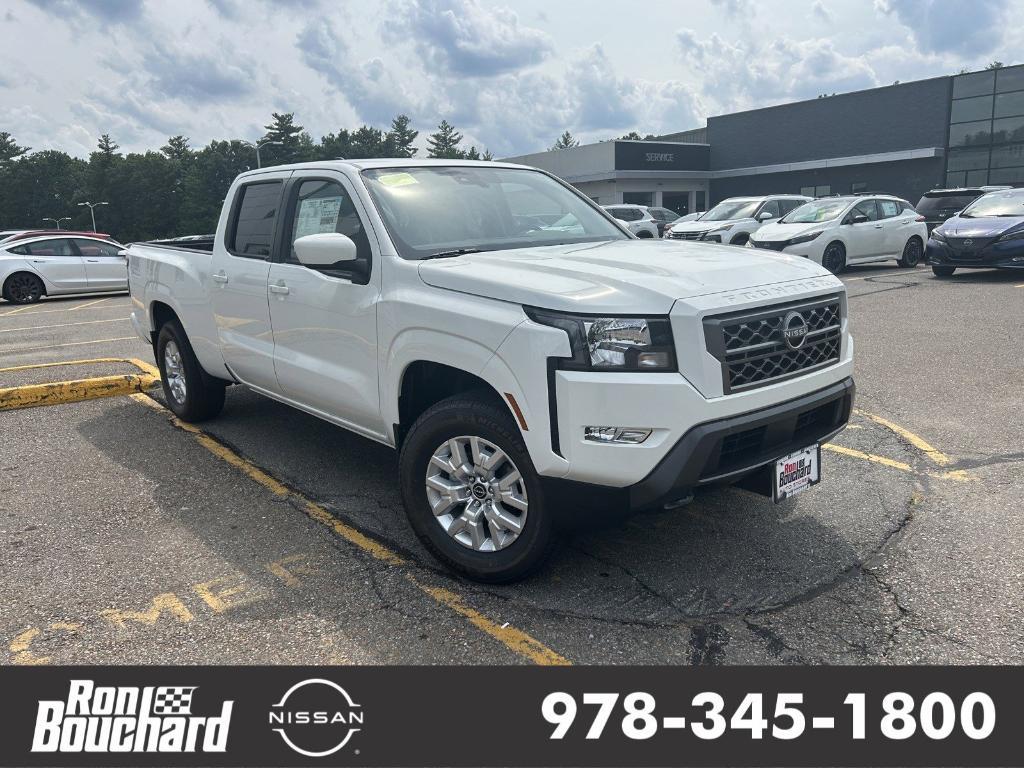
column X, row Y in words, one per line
column 1018, row 235
column 937, row 236
column 724, row 228
column 805, row 238
column 612, row 343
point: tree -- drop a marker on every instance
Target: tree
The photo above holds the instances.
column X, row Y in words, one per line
column 445, row 142
column 565, row 141
column 177, row 148
column 293, row 143
column 367, row 141
column 336, row 146
column 9, row 149
column 487, row 155
column 995, row 65
column 107, row 147
column 472, row 154
column 401, row 137
column 631, row 136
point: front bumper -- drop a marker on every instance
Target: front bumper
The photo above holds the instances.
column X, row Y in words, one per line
column 1005, row 255
column 723, row 451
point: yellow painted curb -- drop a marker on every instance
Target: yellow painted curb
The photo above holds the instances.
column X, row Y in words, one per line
column 53, row 393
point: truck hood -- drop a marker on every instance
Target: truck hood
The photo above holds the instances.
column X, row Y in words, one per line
column 624, row 276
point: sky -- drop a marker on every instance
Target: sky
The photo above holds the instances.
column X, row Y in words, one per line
column 511, row 76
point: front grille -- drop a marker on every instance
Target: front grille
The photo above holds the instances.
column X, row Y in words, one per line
column 775, row 245
column 684, row 235
column 753, row 349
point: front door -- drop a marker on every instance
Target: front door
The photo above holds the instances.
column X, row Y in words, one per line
column 105, row 268
column 866, row 240
column 238, row 280
column 325, row 318
column 57, row 261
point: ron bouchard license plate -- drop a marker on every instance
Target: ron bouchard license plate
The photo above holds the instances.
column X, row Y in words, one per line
column 797, row 472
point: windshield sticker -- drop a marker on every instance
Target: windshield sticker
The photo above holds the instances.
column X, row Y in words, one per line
column 397, row 179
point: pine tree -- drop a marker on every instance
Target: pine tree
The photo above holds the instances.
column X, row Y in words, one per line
column 284, row 140
column 9, row 149
column 107, row 147
column 631, row 136
column 472, row 154
column 487, row 155
column 565, row 141
column 177, row 148
column 445, row 142
column 401, row 137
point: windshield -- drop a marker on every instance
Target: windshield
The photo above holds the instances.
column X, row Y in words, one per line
column 815, row 211
column 1010, row 203
column 940, row 203
column 731, row 209
column 437, row 209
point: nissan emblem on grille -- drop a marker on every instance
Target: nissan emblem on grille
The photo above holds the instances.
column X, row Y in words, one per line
column 794, row 330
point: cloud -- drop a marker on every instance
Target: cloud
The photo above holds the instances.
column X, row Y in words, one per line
column 735, row 8
column 463, row 38
column 970, row 27
column 820, row 12
column 197, row 76
column 110, row 11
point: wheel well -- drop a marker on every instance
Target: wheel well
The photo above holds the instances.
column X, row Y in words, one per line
column 24, row 272
column 842, row 246
column 644, row 235
column 425, row 383
column 161, row 314
column 740, row 239
column 916, row 237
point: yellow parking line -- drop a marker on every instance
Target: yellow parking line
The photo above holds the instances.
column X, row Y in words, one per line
column 953, row 474
column 515, row 640
column 74, row 344
column 75, row 391
column 90, row 304
column 51, row 311
column 16, row 311
column 61, row 325
column 918, row 442
column 142, row 365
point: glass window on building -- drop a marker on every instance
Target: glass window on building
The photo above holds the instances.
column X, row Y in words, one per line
column 1009, row 155
column 956, row 179
column 967, row 159
column 1010, row 104
column 1007, row 176
column 858, row 187
column 823, row 190
column 807, row 191
column 638, row 198
column 1010, row 79
column 965, row 110
column 679, row 202
column 977, row 178
column 974, row 84
column 702, row 203
column 970, row 134
column 1008, row 129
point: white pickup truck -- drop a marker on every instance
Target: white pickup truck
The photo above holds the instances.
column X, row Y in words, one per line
column 524, row 352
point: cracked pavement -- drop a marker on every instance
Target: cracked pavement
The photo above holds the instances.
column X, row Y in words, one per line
column 105, row 506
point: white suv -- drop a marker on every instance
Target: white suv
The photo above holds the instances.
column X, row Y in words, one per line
column 839, row 231
column 732, row 221
column 637, row 219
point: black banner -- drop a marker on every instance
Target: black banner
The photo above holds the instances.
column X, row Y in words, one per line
column 511, row 716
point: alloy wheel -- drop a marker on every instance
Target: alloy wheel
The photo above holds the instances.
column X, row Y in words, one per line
column 24, row 289
column 175, row 372
column 476, row 493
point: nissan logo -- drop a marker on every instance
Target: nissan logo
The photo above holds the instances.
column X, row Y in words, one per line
column 794, row 330
column 968, row 242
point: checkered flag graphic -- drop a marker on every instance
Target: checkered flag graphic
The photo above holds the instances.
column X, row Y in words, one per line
column 173, row 701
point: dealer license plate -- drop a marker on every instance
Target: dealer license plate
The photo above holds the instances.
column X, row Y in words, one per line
column 796, row 472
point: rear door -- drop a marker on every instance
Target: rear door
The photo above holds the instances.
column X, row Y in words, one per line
column 57, row 261
column 325, row 318
column 895, row 226
column 239, row 273
column 105, row 268
column 864, row 241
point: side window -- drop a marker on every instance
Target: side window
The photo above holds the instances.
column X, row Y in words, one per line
column 631, row 214
column 253, row 227
column 772, row 207
column 789, row 205
column 325, row 206
column 55, row 247
column 94, row 248
column 865, row 208
column 889, row 208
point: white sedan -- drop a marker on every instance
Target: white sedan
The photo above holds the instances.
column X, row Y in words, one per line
column 839, row 231
column 33, row 265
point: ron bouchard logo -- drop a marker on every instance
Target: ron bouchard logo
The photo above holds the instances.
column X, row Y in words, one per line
column 316, row 717
column 128, row 719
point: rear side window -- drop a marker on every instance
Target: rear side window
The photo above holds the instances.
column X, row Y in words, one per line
column 255, row 212
column 55, row 247
column 889, row 208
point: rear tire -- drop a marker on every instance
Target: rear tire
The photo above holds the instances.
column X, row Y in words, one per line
column 451, row 510
column 834, row 258
column 912, row 253
column 939, row 271
column 191, row 393
column 23, row 288
column 644, row 235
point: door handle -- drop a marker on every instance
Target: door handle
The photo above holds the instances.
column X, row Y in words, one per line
column 878, row 226
column 278, row 288
column 93, row 261
column 219, row 277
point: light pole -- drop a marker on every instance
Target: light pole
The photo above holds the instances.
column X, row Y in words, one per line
column 58, row 221
column 92, row 211
column 264, row 143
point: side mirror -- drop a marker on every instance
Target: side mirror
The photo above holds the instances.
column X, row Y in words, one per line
column 860, row 218
column 324, row 249
column 765, row 215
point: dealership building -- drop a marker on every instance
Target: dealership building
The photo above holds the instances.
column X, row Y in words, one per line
column 902, row 139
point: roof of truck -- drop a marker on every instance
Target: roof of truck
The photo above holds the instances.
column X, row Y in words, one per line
column 384, row 162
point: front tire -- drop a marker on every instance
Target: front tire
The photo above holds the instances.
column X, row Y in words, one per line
column 912, row 253
column 23, row 288
column 834, row 258
column 191, row 394
column 471, row 492
column 940, row 271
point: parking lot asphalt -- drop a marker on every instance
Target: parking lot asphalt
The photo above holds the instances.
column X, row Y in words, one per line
column 270, row 536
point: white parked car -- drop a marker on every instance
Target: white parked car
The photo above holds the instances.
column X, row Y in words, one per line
column 733, row 220
column 636, row 218
column 838, row 231
column 37, row 264
column 521, row 369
